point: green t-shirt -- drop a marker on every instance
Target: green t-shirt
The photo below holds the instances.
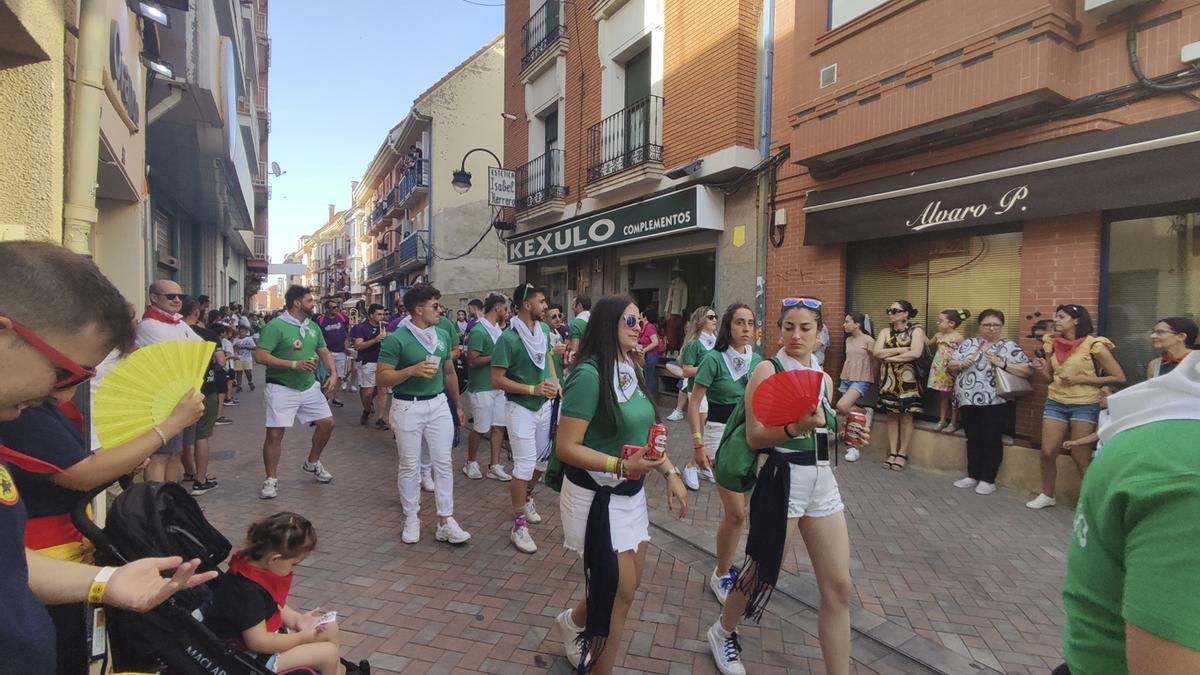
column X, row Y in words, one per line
column 556, row 338
column 279, row 337
column 575, row 329
column 401, row 349
column 480, row 379
column 447, row 326
column 581, row 400
column 1132, row 556
column 511, row 356
column 693, row 353
column 714, row 376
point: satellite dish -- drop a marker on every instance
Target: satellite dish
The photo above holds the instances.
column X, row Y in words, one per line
column 275, row 170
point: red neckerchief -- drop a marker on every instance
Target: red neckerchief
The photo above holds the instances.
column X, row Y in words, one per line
column 71, row 411
column 157, row 314
column 30, row 464
column 1063, row 347
column 1167, row 358
column 275, row 585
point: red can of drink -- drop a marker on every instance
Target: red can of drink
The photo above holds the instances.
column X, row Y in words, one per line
column 656, row 444
column 856, row 422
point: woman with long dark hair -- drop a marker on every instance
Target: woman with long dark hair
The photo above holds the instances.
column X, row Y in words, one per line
column 605, row 409
column 795, row 492
column 901, row 386
column 1077, row 364
column 1174, row 337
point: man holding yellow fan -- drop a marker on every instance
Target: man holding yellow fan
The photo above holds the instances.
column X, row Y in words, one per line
column 289, row 347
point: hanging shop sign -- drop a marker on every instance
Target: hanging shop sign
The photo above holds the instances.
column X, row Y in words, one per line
column 695, row 208
column 120, row 74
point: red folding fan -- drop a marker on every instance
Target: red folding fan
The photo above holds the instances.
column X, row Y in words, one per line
column 785, row 397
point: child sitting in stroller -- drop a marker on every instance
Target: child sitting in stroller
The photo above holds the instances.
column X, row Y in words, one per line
column 249, row 604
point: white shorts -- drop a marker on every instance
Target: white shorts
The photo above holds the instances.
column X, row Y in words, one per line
column 366, row 375
column 487, row 410
column 712, row 437
column 339, row 362
column 286, row 406
column 704, row 406
column 529, row 436
column 814, row 492
column 629, row 521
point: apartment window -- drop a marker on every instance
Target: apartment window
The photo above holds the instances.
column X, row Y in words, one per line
column 845, row 11
column 637, row 78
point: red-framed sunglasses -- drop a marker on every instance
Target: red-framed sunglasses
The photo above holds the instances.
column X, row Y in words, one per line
column 68, row 372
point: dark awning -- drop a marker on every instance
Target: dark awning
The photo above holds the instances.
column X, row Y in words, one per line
column 1137, row 165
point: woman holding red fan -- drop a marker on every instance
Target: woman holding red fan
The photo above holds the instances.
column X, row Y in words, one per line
column 795, row 491
column 722, row 378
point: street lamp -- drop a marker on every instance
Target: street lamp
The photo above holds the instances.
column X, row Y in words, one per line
column 461, row 180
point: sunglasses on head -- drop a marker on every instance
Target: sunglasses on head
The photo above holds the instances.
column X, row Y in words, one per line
column 67, row 372
column 811, row 303
column 632, row 320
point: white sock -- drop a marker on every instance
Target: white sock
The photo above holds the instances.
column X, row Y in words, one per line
column 721, row 630
column 571, row 623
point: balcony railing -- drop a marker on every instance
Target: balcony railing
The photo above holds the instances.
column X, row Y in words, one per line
column 626, row 139
column 411, row 253
column 541, row 180
column 260, row 247
column 414, row 182
column 545, row 27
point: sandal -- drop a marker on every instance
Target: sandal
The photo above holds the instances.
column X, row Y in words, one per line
column 896, row 466
column 888, row 463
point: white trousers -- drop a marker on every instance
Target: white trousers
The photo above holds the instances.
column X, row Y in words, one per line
column 418, row 424
column 529, row 435
column 711, row 438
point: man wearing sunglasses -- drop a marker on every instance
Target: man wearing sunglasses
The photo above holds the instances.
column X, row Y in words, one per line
column 42, row 353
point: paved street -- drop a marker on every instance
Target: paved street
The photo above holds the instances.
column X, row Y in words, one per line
column 945, row 581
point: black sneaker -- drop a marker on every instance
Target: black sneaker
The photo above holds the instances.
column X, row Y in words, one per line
column 200, row 488
column 337, row 403
column 222, row 421
column 364, row 417
column 251, row 386
column 361, row 668
column 381, row 425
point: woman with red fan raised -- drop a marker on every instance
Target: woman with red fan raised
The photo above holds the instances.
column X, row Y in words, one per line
column 795, row 491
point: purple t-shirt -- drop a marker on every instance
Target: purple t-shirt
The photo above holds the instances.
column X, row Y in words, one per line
column 335, row 330
column 394, row 322
column 365, row 331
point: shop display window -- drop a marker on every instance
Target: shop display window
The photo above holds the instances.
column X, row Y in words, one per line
column 1153, row 272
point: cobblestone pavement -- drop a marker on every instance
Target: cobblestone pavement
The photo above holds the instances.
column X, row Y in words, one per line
column 945, row 581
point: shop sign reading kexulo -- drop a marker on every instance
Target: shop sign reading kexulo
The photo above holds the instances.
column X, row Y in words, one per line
column 690, row 209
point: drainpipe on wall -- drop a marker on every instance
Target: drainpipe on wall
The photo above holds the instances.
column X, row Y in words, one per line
column 79, row 211
column 766, row 85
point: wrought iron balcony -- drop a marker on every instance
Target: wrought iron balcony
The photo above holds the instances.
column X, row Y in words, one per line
column 544, row 28
column 626, row 139
column 541, row 180
column 414, row 183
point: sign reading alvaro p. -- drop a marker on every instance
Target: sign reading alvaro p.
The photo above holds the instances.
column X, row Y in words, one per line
column 690, row 209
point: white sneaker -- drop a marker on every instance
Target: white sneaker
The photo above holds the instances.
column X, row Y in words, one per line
column 471, row 469
column 1041, row 502
column 412, row 531
column 449, row 531
column 522, row 540
column 318, row 470
column 852, row 454
column 720, row 585
column 691, row 477
column 568, row 632
column 985, row 488
column 270, row 489
column 675, row 415
column 707, row 475
column 531, row 513
column 725, row 650
column 427, row 483
column 497, row 472
column 967, row 482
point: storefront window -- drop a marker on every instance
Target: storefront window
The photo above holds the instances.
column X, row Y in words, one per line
column 1153, row 272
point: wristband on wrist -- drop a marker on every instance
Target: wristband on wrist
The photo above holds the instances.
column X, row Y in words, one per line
column 293, row 365
column 161, row 436
column 610, row 465
column 789, row 433
column 698, row 446
column 697, row 435
column 99, row 585
column 532, row 390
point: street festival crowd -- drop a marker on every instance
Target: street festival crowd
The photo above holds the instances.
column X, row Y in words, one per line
column 574, row 403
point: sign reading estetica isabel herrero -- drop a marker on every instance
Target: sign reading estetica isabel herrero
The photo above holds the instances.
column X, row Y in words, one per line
column 691, row 209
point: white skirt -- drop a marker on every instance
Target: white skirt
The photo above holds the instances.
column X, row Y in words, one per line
column 629, row 520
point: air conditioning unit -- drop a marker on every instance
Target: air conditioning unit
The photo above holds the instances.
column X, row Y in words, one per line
column 1102, row 10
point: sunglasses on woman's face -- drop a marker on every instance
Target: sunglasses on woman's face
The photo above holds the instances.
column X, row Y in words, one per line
column 631, row 320
column 711, row 317
column 895, row 310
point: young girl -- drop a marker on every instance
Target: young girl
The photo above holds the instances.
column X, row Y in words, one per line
column 944, row 343
column 858, row 372
column 250, row 602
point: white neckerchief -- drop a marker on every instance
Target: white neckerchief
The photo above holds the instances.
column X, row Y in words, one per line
column 584, row 315
column 302, row 325
column 709, row 340
column 1173, row 396
column 789, row 363
column 426, row 336
column 534, row 341
column 493, row 330
column 737, row 363
column 625, row 382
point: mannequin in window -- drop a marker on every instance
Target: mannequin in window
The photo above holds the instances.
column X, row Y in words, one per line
column 677, row 298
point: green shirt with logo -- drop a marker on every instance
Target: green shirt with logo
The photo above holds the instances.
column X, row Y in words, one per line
column 693, row 353
column 279, row 338
column 720, row 387
column 478, row 340
column 401, row 349
column 510, row 355
column 581, row 400
column 1132, row 556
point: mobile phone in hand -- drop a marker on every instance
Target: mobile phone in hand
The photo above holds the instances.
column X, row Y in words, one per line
column 329, row 617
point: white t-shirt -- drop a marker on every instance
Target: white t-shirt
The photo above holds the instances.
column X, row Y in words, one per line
column 152, row 331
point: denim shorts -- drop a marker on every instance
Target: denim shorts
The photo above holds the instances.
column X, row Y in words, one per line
column 1068, row 412
column 863, row 388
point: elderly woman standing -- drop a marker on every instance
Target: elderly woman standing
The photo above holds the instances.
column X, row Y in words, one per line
column 983, row 412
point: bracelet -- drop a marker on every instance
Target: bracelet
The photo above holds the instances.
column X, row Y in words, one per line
column 161, row 436
column 99, row 585
column 673, row 471
column 697, row 435
column 698, row 446
column 788, row 433
column 610, row 464
column 620, row 468
column 532, row 390
column 293, row 365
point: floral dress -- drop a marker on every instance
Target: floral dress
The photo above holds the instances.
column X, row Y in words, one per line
column 900, row 386
column 940, row 379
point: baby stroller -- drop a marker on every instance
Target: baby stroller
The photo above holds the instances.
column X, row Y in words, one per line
column 162, row 519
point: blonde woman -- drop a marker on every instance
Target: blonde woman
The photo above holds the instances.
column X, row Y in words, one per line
column 699, row 339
